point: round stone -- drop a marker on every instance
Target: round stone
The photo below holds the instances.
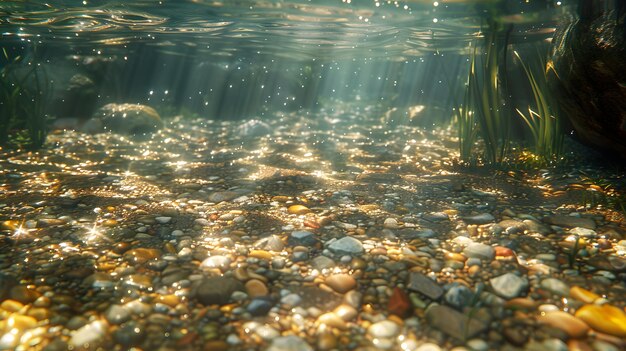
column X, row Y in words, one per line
column 341, row 283
column 383, row 329
column 256, row 288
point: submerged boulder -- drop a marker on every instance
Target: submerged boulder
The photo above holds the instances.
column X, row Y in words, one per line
column 590, row 81
column 130, row 119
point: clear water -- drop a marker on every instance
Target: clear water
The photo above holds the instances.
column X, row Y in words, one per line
column 303, row 191
column 206, row 55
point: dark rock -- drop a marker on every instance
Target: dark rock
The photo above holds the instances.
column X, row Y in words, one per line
column 7, row 282
column 217, row 290
column 590, row 80
column 454, row 323
column 570, row 221
column 130, row 334
column 302, row 238
column 420, row 283
column 260, row 306
column 458, row 296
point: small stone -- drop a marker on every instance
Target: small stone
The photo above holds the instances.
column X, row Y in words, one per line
column 453, row 323
column 298, row 209
column 259, row 306
column 420, row 283
column 332, row 320
column 322, row 262
column 478, row 345
column 583, row 295
column 399, row 303
column 117, row 314
column 326, row 341
column 302, row 238
column 583, row 232
column 130, row 334
column 391, row 223
column 436, row 216
column 163, row 220
column 217, row 290
column 564, row 321
column 346, row 246
column 604, row 318
column 458, row 296
column 341, row 283
column 270, row 243
column 89, row 334
column 289, row 343
column 481, row 251
column 291, row 300
column 256, row 288
column 220, row 262
column 555, row 286
column 428, row 347
column 383, row 329
column 483, row 218
column 509, row 285
column 346, row 312
column 141, row 255
column 570, row 221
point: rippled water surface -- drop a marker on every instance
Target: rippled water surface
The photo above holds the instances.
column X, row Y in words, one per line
column 294, row 28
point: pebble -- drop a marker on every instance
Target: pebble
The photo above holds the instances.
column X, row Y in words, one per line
column 217, row 290
column 483, row 218
column 604, row 318
column 346, row 246
column 570, row 221
column 428, row 347
column 341, row 283
column 391, row 223
column 453, row 323
column 256, row 288
column 89, row 334
column 298, row 209
column 289, row 343
column 163, row 220
column 458, row 296
column 117, row 314
column 302, row 238
column 509, row 285
column 420, row 283
column 555, row 286
column 383, row 329
column 481, row 251
column 583, row 294
column 574, row 327
column 330, row 319
column 220, row 262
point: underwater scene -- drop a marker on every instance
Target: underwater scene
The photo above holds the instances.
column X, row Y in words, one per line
column 293, row 175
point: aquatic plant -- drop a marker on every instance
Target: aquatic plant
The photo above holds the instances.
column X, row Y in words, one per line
column 494, row 125
column 543, row 122
column 481, row 113
column 466, row 123
column 23, row 121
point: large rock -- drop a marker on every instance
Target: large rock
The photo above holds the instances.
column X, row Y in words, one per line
column 590, row 80
column 130, row 119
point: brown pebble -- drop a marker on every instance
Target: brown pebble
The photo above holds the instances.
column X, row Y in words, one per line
column 341, row 283
column 256, row 288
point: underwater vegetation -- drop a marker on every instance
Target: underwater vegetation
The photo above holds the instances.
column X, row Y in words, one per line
column 543, row 122
column 483, row 113
column 23, row 119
